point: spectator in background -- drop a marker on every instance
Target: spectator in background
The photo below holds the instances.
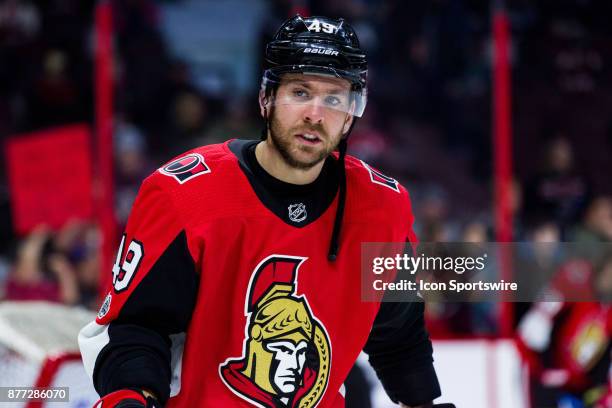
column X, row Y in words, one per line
column 41, row 272
column 145, row 63
column 187, row 122
column 19, row 26
column 596, row 225
column 559, row 189
column 517, row 207
column 237, row 123
column 432, row 226
column 454, row 315
column 432, row 215
column 61, row 267
column 543, row 238
column 55, row 97
column 19, row 21
column 79, row 242
column 84, row 255
column 537, row 259
column 482, row 315
column 132, row 165
column 594, row 229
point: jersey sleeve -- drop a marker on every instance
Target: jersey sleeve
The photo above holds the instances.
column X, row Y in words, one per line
column 400, row 352
column 399, row 347
column 151, row 298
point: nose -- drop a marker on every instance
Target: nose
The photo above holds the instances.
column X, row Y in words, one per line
column 292, row 363
column 314, row 113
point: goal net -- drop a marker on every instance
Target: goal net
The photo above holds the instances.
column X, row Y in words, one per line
column 38, row 348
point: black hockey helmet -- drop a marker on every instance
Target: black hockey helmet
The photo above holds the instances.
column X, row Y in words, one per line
column 317, row 45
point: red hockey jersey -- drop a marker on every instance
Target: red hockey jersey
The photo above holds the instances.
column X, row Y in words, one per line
column 256, row 313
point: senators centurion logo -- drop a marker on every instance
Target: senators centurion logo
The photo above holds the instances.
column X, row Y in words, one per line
column 286, row 354
column 185, row 168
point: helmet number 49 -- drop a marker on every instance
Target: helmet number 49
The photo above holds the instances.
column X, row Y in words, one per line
column 123, row 275
column 318, row 26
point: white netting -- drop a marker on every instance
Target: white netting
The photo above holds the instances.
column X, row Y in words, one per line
column 31, row 332
column 82, row 394
column 15, row 369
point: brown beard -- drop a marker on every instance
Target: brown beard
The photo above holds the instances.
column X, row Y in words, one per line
column 283, row 145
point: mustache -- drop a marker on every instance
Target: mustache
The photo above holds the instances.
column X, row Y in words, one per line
column 312, row 128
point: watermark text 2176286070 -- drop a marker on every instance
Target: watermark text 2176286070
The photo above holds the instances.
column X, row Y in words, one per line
column 27, row 394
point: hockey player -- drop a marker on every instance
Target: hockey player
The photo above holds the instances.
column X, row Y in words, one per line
column 237, row 284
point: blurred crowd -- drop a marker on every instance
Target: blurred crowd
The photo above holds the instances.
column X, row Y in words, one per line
column 428, row 121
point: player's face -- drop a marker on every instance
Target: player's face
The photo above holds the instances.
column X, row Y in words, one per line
column 288, row 366
column 309, row 118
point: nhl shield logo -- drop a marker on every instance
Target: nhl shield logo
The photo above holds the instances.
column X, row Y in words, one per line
column 185, row 168
column 297, row 212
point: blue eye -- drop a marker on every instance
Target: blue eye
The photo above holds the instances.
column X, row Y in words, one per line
column 333, row 101
column 300, row 93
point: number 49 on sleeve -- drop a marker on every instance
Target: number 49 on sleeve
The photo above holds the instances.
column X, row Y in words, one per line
column 125, row 267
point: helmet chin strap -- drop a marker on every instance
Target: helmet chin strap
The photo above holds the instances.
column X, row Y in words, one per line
column 334, row 243
column 332, row 254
